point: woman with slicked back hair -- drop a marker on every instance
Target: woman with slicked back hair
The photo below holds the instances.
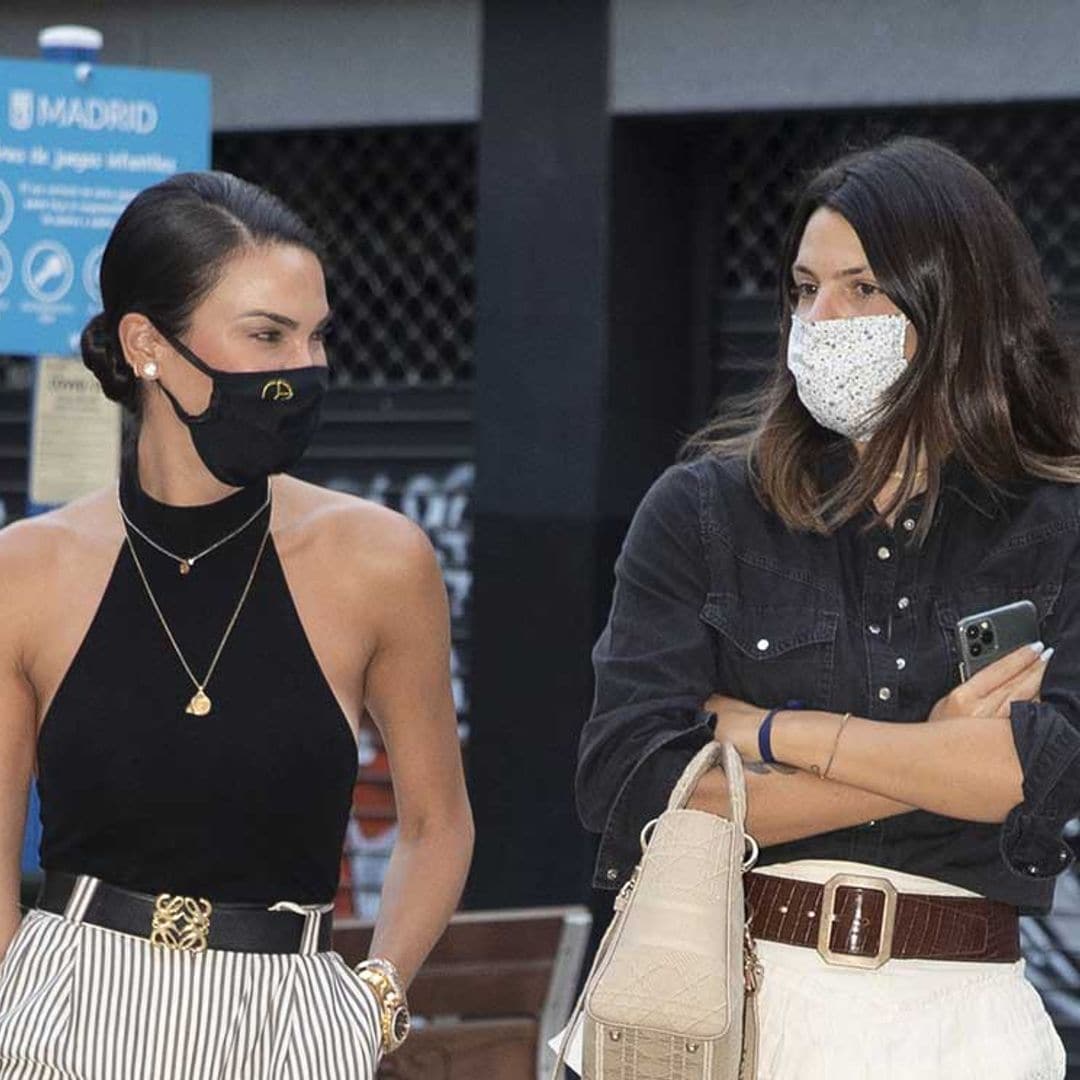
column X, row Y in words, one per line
column 802, row 585
column 184, row 663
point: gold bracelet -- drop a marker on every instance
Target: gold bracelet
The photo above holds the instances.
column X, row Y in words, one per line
column 389, row 969
column 395, row 1021
column 836, row 742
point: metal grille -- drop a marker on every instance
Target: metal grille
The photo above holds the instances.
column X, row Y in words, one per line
column 1032, row 152
column 395, row 208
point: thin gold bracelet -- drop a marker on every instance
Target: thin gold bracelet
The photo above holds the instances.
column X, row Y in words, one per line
column 836, row 742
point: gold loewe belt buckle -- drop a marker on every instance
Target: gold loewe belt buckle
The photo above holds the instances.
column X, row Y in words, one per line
column 828, row 915
column 181, row 923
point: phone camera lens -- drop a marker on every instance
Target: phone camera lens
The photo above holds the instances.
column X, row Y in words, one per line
column 988, row 637
column 975, row 649
column 973, row 632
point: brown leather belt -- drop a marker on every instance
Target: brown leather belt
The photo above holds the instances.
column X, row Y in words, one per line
column 856, row 921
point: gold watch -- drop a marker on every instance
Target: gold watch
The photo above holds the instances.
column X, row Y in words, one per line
column 386, row 982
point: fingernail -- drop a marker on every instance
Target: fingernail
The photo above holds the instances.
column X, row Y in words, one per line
column 1046, row 655
column 1036, row 647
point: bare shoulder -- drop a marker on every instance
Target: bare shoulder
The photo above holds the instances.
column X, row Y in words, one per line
column 38, row 554
column 352, row 534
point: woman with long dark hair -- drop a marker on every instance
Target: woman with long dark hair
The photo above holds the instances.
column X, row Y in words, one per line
column 184, row 663
column 794, row 587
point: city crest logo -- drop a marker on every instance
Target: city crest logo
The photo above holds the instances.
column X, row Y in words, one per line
column 21, row 110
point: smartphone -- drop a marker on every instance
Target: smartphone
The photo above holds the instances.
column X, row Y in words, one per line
column 989, row 635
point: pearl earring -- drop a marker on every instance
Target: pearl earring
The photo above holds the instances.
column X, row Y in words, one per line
column 149, row 370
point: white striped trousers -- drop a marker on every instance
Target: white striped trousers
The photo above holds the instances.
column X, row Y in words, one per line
column 84, row 1003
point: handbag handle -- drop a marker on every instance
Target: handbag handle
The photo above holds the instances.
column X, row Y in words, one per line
column 708, row 757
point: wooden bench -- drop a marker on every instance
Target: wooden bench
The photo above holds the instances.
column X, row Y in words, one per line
column 496, row 987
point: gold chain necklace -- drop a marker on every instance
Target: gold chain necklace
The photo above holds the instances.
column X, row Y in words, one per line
column 200, row 703
column 187, row 564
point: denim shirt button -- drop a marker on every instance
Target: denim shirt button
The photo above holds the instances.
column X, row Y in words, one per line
column 884, row 693
column 763, row 644
column 1063, row 855
column 903, row 603
column 909, row 524
column 1032, row 869
column 883, row 553
column 901, row 663
column 874, row 628
column 611, row 873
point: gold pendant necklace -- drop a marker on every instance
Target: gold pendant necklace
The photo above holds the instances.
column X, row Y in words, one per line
column 187, row 564
column 200, row 703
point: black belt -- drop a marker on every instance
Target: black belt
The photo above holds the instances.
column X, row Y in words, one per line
column 186, row 924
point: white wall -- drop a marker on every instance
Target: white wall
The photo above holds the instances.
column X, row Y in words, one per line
column 308, row 63
column 708, row 55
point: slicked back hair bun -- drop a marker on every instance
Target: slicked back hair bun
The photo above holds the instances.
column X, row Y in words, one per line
column 104, row 357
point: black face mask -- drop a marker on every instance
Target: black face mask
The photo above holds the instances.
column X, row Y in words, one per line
column 257, row 422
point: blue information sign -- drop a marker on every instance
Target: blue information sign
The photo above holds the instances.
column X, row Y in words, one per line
column 77, row 143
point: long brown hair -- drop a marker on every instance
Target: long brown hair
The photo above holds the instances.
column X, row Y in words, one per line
column 991, row 382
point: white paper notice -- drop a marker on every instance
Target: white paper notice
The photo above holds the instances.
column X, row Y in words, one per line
column 75, row 442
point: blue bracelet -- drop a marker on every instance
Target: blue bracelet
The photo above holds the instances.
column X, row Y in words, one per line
column 764, row 735
column 764, row 738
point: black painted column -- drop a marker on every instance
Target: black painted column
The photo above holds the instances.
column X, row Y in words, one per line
column 568, row 433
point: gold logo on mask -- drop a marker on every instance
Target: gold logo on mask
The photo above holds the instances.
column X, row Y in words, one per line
column 277, row 390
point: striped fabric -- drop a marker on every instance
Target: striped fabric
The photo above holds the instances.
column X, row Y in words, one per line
column 84, row 1003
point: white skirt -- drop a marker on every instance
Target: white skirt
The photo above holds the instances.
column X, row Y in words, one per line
column 908, row 1020
column 85, row 1003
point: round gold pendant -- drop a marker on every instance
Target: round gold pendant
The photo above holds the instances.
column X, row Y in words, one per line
column 185, row 567
column 199, row 705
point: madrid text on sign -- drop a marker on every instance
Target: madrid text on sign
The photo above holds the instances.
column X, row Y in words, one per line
column 73, row 153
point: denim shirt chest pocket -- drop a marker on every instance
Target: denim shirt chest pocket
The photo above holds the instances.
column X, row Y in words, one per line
column 970, row 598
column 769, row 654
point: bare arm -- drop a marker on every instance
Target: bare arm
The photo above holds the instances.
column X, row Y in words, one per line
column 17, row 728
column 408, row 693
column 783, row 806
column 964, row 768
column 962, row 764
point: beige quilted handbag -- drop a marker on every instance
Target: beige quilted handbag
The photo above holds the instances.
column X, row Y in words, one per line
column 671, row 993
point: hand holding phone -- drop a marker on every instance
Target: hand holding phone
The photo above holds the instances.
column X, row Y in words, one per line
column 1016, row 676
column 1001, row 662
column 989, row 635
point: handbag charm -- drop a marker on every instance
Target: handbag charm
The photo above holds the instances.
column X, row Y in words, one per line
column 671, row 994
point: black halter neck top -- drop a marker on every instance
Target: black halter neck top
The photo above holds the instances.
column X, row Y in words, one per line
column 248, row 803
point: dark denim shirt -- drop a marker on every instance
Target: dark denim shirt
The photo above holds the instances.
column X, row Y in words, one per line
column 714, row 593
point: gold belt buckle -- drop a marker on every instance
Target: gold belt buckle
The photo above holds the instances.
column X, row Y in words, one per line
column 828, row 914
column 181, row 923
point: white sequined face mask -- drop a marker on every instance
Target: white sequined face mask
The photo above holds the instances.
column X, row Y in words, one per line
column 843, row 367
